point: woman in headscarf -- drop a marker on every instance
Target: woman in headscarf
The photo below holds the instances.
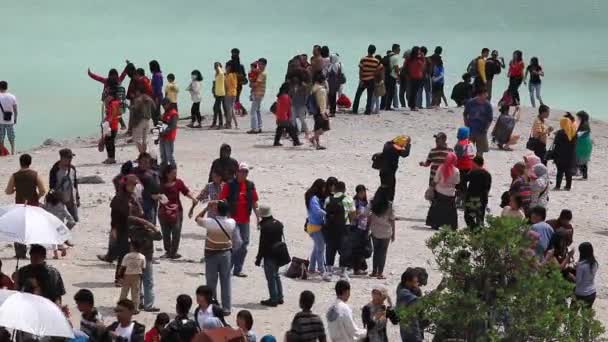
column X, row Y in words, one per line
column 583, row 142
column 443, row 206
column 539, row 185
column 564, row 151
column 333, row 73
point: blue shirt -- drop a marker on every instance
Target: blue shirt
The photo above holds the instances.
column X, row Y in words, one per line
column 316, row 214
column 546, row 233
column 478, row 116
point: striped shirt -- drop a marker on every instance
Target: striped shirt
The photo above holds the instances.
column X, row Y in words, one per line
column 307, row 327
column 211, row 192
column 435, row 158
column 368, row 67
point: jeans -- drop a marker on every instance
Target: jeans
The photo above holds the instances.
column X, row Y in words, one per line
column 229, row 109
column 256, row 114
column 275, row 288
column 426, row 87
column 148, row 284
column 150, row 207
column 391, row 93
column 238, row 257
column 218, row 266
column 217, row 110
column 561, row 170
column 172, row 233
column 110, row 142
column 376, row 104
column 166, row 151
column 534, row 89
column 379, row 257
column 364, row 85
column 412, row 92
column 317, row 256
column 299, row 113
column 286, row 126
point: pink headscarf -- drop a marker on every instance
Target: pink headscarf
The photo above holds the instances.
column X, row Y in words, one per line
column 448, row 166
column 531, row 160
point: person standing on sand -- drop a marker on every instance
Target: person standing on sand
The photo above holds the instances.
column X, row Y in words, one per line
column 171, row 90
column 477, row 69
column 306, row 326
column 340, row 322
column 142, row 107
column 149, row 179
column 368, row 66
column 317, row 106
column 194, row 88
column 477, row 183
column 443, row 206
column 415, row 71
column 157, row 89
column 494, row 66
column 584, row 144
column 391, row 81
column 335, row 79
column 381, row 223
column 299, row 91
column 271, row 233
column 536, row 72
column 564, row 151
column 64, row 182
column 219, row 93
column 314, row 223
column 436, row 156
column 539, row 134
column 28, row 188
column 235, row 64
column 397, row 148
column 478, row 117
column 462, row 91
column 437, row 81
column 168, row 134
column 283, row 113
column 242, row 199
column 258, row 90
column 225, row 166
column 231, row 86
column 8, row 109
column 426, row 81
column 112, row 121
column 516, row 77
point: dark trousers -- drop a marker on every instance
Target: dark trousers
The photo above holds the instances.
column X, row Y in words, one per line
column 412, row 92
column 391, row 83
column 380, row 252
column 195, row 113
column 388, row 180
column 217, row 111
column 584, row 170
column 540, row 150
column 331, row 99
column 172, row 233
column 286, row 126
column 474, row 211
column 110, row 142
column 333, row 246
column 561, row 171
column 403, row 84
column 514, row 84
column 364, row 85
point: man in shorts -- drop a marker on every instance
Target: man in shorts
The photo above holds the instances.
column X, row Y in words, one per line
column 478, row 117
column 8, row 117
column 142, row 107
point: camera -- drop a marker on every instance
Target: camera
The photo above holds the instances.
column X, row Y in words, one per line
column 157, row 131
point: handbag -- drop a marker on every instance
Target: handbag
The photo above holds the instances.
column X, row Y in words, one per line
column 6, row 116
column 298, row 269
column 550, row 154
column 236, row 239
column 280, row 253
column 429, row 194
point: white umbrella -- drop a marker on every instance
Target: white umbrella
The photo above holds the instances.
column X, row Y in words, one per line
column 32, row 314
column 30, row 225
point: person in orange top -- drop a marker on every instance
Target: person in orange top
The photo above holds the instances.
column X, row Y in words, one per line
column 168, row 133
column 113, row 115
column 516, row 76
column 283, row 114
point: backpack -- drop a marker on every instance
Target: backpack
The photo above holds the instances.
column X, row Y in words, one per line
column 221, row 335
column 472, row 68
column 311, row 105
column 377, row 161
column 182, row 330
column 334, row 213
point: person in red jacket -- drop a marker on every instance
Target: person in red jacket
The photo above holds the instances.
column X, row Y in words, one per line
column 168, row 133
column 415, row 72
column 465, row 152
column 283, row 114
column 113, row 115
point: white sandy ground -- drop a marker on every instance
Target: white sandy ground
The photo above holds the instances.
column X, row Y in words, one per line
column 282, row 175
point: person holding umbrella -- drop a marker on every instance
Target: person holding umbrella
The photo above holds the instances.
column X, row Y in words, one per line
column 47, row 276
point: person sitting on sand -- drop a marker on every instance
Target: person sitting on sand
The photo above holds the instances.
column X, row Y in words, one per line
column 502, row 134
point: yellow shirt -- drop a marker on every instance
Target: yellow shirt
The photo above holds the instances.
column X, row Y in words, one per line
column 171, row 91
column 312, row 228
column 231, row 84
column 220, row 86
column 481, row 69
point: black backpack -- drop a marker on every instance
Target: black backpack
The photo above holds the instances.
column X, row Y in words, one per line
column 472, row 68
column 180, row 330
column 334, row 213
column 377, row 161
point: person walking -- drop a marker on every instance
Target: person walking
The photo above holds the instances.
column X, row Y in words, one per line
column 478, row 117
column 537, row 142
column 157, row 89
column 535, row 70
column 258, row 90
column 8, row 109
column 242, row 199
column 397, row 148
column 141, row 109
column 391, row 81
column 382, row 227
column 171, row 210
column 494, row 66
column 111, row 123
column 564, row 151
column 168, row 134
column 63, row 180
column 584, row 144
column 194, row 88
column 219, row 93
column 220, row 239
column 271, row 233
column 314, row 225
column 443, row 206
column 283, row 115
column 28, row 188
column 367, row 70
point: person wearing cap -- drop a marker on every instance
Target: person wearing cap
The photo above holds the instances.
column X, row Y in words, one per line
column 397, row 148
column 478, row 117
column 63, row 180
column 225, row 166
column 242, row 199
column 437, row 155
column 271, row 233
column 168, row 135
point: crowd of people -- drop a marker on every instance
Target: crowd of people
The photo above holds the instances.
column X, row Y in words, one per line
column 353, row 228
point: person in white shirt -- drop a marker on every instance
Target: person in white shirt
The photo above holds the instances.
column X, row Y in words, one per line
column 340, row 322
column 8, row 117
column 125, row 329
column 219, row 244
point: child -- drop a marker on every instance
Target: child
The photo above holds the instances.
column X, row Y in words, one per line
column 253, row 73
column 514, row 209
column 5, row 281
column 344, row 102
column 131, row 270
column 203, row 318
column 113, row 115
column 362, row 212
column 462, row 91
column 244, row 320
column 91, row 322
column 171, row 90
column 194, row 88
column 154, row 334
column 56, row 207
column 465, row 151
column 182, row 328
column 283, row 114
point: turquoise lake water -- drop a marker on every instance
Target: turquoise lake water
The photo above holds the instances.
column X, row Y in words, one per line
column 48, row 45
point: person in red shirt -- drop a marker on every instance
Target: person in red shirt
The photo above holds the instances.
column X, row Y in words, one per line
column 415, row 73
column 516, row 76
column 242, row 199
column 154, row 334
column 283, row 114
column 168, row 133
column 113, row 115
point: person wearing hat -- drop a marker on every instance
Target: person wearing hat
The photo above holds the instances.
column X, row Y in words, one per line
column 242, row 199
column 271, row 233
column 437, row 155
column 392, row 151
column 478, row 117
column 63, row 180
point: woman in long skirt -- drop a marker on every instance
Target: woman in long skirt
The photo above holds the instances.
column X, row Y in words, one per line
column 443, row 206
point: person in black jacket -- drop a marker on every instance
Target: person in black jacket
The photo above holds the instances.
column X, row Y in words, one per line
column 117, row 331
column 225, row 166
column 376, row 314
column 398, row 147
column 271, row 233
column 564, row 151
column 182, row 328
